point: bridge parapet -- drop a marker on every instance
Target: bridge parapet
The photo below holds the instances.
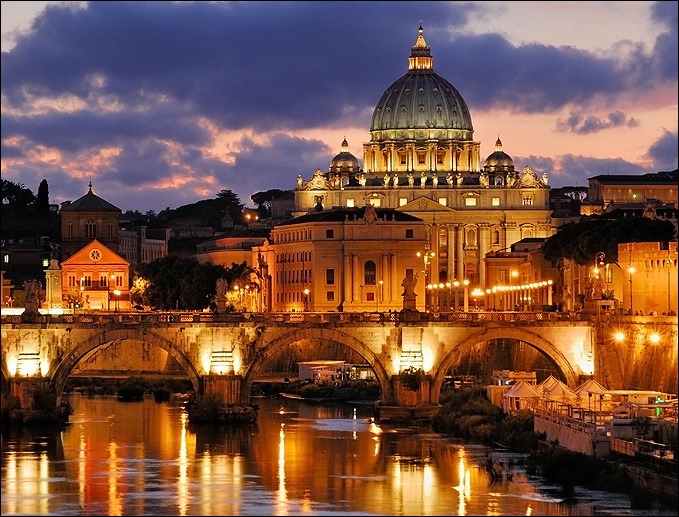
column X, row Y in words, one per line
column 178, row 317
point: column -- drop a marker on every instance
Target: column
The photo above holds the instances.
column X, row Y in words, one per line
column 460, row 252
column 484, row 239
column 452, row 275
column 384, row 276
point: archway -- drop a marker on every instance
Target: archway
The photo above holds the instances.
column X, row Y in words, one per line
column 552, row 353
column 93, row 342
column 268, row 350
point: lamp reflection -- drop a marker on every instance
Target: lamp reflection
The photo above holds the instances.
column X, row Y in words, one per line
column 282, row 498
column 183, row 479
column 464, row 487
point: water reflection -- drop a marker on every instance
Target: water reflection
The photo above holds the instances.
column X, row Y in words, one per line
column 144, row 458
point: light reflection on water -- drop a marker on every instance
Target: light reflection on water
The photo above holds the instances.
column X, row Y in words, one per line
column 143, row 458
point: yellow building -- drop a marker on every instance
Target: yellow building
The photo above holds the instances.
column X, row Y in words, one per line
column 96, row 278
column 345, row 259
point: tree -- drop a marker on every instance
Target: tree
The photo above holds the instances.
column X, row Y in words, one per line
column 16, row 197
column 263, row 200
column 172, row 282
column 582, row 241
column 42, row 205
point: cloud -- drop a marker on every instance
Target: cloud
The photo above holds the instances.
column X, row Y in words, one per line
column 582, row 124
column 665, row 152
column 179, row 100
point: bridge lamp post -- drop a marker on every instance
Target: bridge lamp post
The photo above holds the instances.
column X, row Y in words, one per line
column 110, row 284
column 631, row 271
column 427, row 256
column 477, row 293
column 457, row 285
column 306, row 300
column 379, row 297
column 117, row 293
column 448, row 304
column 466, row 295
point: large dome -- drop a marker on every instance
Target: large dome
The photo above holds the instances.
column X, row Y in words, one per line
column 421, row 100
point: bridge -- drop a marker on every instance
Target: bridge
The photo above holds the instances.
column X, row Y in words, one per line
column 223, row 352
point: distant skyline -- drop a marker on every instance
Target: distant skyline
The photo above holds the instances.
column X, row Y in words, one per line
column 162, row 104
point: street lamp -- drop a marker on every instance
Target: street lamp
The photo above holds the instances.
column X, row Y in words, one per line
column 306, row 300
column 110, row 284
column 379, row 297
column 427, row 256
column 631, row 271
column 456, row 284
column 117, row 293
column 477, row 293
column 466, row 295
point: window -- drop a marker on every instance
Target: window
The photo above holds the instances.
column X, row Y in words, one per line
column 471, row 237
column 330, row 276
column 369, row 273
column 470, row 201
column 103, row 280
column 330, row 296
column 72, row 282
column 90, row 229
column 70, row 230
column 318, row 201
column 370, row 297
column 402, row 201
column 5, row 258
column 609, row 275
column 496, row 237
column 329, row 234
column 495, row 201
column 409, row 233
column 443, row 201
column 87, row 281
column 527, row 200
column 45, row 262
column 376, row 202
column 351, row 203
column 110, row 230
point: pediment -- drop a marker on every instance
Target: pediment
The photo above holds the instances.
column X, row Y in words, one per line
column 95, row 253
column 424, row 204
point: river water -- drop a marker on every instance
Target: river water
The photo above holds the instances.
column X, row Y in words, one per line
column 143, row 458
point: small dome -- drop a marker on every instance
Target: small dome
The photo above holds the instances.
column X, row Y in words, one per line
column 344, row 162
column 499, row 161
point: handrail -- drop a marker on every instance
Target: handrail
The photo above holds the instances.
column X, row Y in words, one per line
column 509, row 318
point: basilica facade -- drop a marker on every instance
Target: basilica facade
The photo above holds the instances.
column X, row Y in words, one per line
column 422, row 160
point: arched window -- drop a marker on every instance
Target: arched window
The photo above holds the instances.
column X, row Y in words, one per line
column 369, row 273
column 91, row 230
column 471, row 237
column 496, row 238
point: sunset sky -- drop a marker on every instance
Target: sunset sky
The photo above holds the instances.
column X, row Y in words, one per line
column 162, row 104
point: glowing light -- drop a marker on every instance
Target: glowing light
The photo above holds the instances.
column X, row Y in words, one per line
column 619, row 336
column 654, row 337
column 12, row 364
column 205, row 361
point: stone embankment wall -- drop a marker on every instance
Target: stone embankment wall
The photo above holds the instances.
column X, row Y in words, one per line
column 572, row 434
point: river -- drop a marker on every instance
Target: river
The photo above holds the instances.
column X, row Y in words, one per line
column 143, row 458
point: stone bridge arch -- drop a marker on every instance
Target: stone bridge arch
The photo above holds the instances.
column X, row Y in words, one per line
column 267, row 349
column 99, row 339
column 551, row 352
